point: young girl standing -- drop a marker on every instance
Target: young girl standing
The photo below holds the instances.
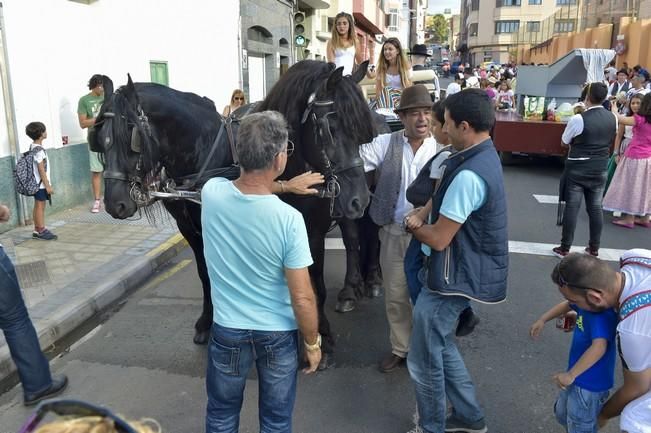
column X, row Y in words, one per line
column 629, row 190
column 343, row 48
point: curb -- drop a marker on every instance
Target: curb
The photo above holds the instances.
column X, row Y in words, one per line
column 88, row 298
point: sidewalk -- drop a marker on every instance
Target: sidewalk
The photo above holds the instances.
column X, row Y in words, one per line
column 95, row 262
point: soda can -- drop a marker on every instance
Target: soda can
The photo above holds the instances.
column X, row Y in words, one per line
column 566, row 323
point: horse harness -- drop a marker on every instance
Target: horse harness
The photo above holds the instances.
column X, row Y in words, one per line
column 190, row 186
column 332, row 188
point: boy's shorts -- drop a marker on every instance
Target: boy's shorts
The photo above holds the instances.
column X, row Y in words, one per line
column 577, row 409
column 41, row 195
column 96, row 165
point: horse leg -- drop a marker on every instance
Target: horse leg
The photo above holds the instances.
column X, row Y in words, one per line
column 188, row 220
column 369, row 241
column 353, row 283
column 317, row 248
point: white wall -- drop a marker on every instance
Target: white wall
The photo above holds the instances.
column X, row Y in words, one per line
column 55, row 46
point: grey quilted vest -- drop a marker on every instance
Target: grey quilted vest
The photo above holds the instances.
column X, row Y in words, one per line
column 383, row 205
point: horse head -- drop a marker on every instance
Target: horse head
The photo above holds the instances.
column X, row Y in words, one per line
column 335, row 122
column 122, row 134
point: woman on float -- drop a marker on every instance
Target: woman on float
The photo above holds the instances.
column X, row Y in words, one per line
column 343, row 48
column 393, row 71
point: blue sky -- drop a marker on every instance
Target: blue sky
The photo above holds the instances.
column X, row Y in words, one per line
column 437, row 6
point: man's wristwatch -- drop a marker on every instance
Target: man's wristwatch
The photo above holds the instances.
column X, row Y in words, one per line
column 313, row 347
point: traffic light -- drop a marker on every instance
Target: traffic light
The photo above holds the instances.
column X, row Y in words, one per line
column 300, row 38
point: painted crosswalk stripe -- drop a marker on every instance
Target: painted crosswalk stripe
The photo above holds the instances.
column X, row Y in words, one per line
column 516, row 247
column 546, row 199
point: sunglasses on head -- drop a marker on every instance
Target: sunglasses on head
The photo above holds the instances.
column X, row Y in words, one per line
column 563, row 282
column 73, row 408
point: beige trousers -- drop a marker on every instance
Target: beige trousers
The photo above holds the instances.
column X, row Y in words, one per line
column 393, row 247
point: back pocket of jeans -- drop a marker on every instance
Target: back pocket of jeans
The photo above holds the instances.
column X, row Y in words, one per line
column 282, row 354
column 224, row 359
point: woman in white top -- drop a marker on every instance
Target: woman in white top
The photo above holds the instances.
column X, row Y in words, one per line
column 393, row 69
column 343, row 48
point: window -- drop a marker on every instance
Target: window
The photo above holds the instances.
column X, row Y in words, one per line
column 511, row 26
column 158, row 72
column 535, row 2
column 473, row 29
column 474, row 5
column 565, row 2
column 563, row 26
column 392, row 20
column 501, row 3
column 533, row 26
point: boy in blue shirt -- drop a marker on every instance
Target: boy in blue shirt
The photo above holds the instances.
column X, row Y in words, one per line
column 590, row 375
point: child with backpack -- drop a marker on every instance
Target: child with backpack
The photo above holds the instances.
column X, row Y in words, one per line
column 37, row 132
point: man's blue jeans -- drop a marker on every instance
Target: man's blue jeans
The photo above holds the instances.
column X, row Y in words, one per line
column 231, row 355
column 577, row 409
column 33, row 368
column 435, row 364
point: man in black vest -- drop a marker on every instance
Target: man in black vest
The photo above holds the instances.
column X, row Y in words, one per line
column 469, row 260
column 589, row 136
column 620, row 86
column 418, row 56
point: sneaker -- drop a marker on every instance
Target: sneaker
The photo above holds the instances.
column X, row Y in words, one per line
column 560, row 252
column 590, row 251
column 45, row 235
column 58, row 385
column 452, row 424
column 467, row 322
column 96, row 206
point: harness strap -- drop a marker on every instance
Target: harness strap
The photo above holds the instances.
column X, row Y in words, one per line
column 640, row 300
column 196, row 178
column 231, row 140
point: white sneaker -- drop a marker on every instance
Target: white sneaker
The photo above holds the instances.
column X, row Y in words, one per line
column 96, row 206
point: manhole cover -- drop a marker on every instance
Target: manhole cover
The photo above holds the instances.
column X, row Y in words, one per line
column 32, row 274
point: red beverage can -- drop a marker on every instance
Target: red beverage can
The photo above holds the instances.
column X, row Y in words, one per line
column 566, row 323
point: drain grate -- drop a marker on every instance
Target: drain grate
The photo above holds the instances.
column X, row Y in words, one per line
column 32, row 274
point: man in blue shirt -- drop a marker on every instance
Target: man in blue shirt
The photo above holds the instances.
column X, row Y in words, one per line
column 257, row 254
column 469, row 260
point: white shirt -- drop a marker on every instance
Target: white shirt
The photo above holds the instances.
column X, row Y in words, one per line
column 345, row 57
column 453, row 88
column 619, row 87
column 373, row 154
column 38, row 158
column 574, row 128
column 612, row 73
column 635, row 331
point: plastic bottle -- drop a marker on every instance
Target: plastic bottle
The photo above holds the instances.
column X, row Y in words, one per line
column 551, row 110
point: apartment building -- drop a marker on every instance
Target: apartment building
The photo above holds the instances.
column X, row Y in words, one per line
column 595, row 12
column 491, row 30
column 370, row 24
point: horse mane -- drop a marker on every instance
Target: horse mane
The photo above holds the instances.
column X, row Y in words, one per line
column 290, row 95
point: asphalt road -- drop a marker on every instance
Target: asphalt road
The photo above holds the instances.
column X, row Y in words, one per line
column 141, row 361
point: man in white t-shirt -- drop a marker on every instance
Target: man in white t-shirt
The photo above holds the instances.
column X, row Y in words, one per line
column 593, row 285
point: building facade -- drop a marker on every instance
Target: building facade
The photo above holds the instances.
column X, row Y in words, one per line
column 47, row 64
column 492, row 30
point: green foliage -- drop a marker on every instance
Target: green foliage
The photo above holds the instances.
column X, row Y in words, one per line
column 438, row 28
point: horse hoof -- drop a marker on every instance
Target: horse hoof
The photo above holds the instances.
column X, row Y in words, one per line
column 201, row 337
column 327, row 361
column 345, row 306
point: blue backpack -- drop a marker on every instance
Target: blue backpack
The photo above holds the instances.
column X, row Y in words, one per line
column 24, row 178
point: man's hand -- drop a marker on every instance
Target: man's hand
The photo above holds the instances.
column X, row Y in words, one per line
column 313, row 358
column 536, row 329
column 301, row 184
column 563, row 380
column 5, row 213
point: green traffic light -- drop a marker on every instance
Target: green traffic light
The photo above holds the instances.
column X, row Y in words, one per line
column 300, row 40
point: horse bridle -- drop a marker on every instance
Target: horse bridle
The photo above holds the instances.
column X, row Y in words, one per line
column 332, row 188
column 135, row 180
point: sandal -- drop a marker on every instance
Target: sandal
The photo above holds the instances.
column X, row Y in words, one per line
column 621, row 223
column 646, row 224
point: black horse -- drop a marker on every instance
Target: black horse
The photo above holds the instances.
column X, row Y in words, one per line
column 154, row 137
